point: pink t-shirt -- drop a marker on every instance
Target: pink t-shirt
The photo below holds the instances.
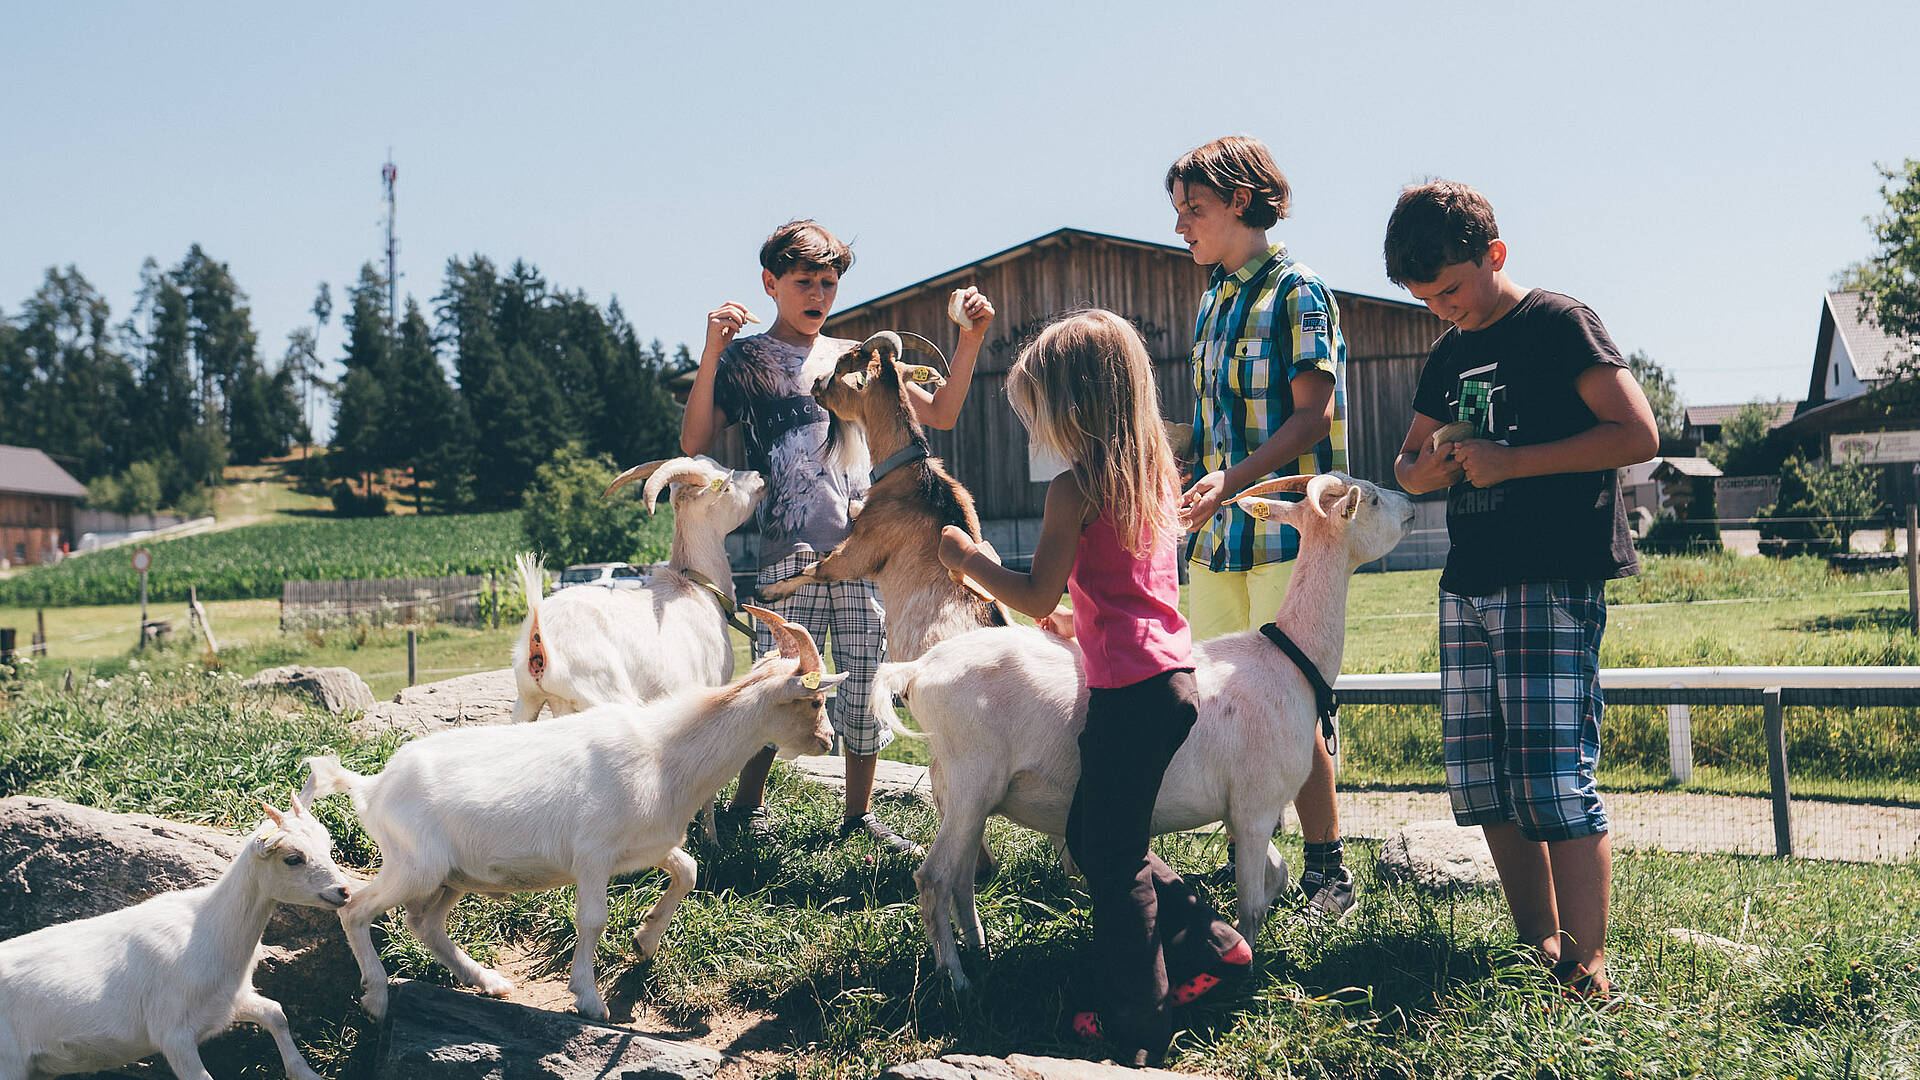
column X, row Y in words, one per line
column 1126, row 611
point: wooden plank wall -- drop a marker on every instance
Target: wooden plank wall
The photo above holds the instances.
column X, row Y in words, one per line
column 1159, row 289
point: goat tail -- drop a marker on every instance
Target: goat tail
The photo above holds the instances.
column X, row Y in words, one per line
column 890, row 684
column 326, row 776
column 532, row 579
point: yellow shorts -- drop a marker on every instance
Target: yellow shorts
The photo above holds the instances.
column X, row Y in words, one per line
column 1234, row 600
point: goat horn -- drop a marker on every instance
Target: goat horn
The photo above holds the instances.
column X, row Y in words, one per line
column 678, row 470
column 273, row 814
column 902, row 342
column 638, row 472
column 1295, row 484
column 793, row 638
column 1320, row 486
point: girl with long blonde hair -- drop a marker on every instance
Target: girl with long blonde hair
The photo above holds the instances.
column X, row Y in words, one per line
column 1108, row 537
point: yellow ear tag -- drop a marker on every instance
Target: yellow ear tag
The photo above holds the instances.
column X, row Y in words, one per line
column 1353, row 507
column 1259, row 508
column 718, row 485
column 921, row 373
column 811, row 680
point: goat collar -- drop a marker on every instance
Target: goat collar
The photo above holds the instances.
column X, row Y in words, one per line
column 913, row 451
column 1325, row 702
column 727, row 609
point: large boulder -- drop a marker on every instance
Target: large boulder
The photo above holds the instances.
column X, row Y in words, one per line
column 1438, row 855
column 487, row 697
column 1020, row 1067
column 335, row 689
column 433, row 1033
column 60, row 862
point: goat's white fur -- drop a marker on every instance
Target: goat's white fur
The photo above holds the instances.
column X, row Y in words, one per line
column 165, row 974
column 1002, row 709
column 573, row 801
column 604, row 646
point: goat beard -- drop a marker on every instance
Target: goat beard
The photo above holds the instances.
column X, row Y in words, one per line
column 846, row 446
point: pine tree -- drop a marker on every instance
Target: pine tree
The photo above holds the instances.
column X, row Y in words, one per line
column 357, row 442
column 420, row 404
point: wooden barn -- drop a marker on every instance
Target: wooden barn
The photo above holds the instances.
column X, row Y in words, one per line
column 1158, row 286
column 37, row 500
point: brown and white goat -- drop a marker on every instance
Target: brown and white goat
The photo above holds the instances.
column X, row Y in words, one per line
column 896, row 535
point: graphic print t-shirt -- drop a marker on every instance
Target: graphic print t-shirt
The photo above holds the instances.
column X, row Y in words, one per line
column 1515, row 383
column 767, row 386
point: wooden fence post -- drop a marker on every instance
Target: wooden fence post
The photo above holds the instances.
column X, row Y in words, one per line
column 1679, row 741
column 1913, row 566
column 413, row 654
column 40, row 631
column 493, row 586
column 1776, row 726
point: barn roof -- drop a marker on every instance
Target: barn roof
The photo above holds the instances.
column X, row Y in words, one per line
column 1063, row 235
column 1873, row 350
column 1709, row 415
column 1687, row 466
column 27, row 471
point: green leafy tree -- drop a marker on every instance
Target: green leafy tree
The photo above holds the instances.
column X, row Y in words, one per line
column 359, row 440
column 1892, row 274
column 421, row 409
column 1742, row 448
column 69, row 389
column 567, row 521
column 1843, row 494
column 1669, row 412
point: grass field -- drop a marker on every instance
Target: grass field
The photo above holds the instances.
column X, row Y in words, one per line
column 820, row 944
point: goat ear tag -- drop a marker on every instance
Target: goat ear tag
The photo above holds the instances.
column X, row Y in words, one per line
column 1258, row 508
column 921, row 373
column 811, row 680
column 718, row 485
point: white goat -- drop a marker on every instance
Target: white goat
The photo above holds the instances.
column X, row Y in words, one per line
column 583, row 647
column 573, row 801
column 165, row 974
column 1003, row 709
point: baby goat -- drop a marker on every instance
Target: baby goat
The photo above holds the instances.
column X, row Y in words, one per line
column 585, row 647
column 1003, row 709
column 165, row 974
column 897, row 533
column 573, row 801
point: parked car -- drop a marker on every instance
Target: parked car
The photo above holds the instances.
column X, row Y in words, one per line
column 607, row 575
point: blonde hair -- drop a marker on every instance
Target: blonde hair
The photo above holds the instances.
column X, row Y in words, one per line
column 1084, row 387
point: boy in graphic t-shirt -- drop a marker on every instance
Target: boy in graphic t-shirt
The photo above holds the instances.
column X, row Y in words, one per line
column 765, row 383
column 1524, row 411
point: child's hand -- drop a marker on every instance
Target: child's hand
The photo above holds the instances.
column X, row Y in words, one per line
column 1060, row 623
column 1202, row 500
column 955, row 546
column 1484, row 462
column 722, row 323
column 978, row 309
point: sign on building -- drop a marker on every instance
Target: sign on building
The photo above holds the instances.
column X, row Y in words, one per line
column 1875, row 447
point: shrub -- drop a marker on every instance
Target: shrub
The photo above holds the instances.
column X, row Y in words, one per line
column 350, row 504
column 568, row 521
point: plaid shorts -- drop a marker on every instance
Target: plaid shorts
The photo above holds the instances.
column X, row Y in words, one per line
column 1520, row 706
column 846, row 616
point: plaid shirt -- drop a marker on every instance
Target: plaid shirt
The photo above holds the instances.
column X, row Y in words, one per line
column 1271, row 315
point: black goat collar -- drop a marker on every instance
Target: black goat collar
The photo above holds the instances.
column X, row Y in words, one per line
column 1325, row 702
column 913, row 451
column 728, row 610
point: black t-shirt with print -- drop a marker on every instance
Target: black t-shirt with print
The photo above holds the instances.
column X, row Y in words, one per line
column 1515, row 382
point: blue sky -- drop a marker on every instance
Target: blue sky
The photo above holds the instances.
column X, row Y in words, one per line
column 1695, row 172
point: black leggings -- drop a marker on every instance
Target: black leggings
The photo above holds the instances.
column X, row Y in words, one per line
column 1147, row 922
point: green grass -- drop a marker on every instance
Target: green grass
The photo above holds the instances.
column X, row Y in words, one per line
column 253, row 561
column 813, row 931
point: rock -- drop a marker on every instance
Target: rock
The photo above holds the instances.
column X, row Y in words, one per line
column 889, row 777
column 1732, row 950
column 432, row 1033
column 1020, row 1067
column 1438, row 855
column 336, row 689
column 60, row 862
column 484, row 698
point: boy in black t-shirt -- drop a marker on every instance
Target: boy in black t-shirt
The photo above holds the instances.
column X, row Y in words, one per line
column 1524, row 410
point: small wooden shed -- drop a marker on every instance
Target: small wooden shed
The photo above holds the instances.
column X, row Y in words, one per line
column 1158, row 286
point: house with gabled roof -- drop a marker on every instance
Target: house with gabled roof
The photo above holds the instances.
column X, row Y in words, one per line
column 1852, row 354
column 37, row 501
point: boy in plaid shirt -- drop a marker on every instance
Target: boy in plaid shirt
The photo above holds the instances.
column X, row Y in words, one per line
column 1524, row 411
column 1269, row 373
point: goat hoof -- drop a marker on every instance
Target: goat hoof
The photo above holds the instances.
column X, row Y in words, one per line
column 375, row 1003
column 493, row 984
column 594, row 1009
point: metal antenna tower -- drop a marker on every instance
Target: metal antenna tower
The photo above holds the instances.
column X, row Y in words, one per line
column 388, row 175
